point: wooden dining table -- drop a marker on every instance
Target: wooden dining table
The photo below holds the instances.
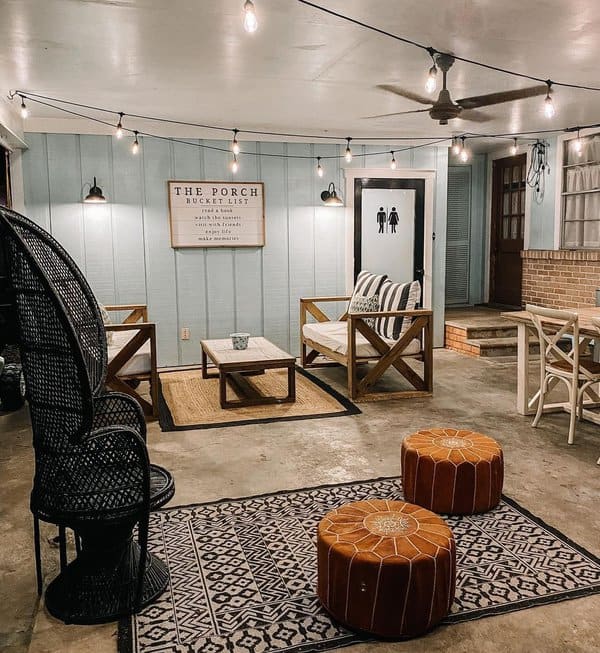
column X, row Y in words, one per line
column 526, row 403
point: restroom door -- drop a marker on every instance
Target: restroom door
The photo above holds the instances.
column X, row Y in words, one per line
column 389, row 226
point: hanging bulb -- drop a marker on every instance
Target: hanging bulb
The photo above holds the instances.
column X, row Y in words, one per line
column 119, row 131
column 135, row 148
column 393, row 164
column 514, row 148
column 455, row 146
column 348, row 154
column 578, row 145
column 549, row 110
column 235, row 166
column 235, row 146
column 431, row 83
column 320, row 170
column 24, row 111
column 464, row 153
column 250, row 21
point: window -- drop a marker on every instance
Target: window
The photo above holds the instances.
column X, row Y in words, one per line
column 581, row 194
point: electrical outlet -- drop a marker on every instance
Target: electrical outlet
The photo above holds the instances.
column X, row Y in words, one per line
column 185, row 333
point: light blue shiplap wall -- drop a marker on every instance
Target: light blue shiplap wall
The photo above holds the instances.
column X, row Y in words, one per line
column 124, row 249
column 541, row 228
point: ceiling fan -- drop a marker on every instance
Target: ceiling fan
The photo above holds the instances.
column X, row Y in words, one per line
column 444, row 109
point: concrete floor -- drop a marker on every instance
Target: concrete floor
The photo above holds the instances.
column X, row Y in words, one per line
column 557, row 482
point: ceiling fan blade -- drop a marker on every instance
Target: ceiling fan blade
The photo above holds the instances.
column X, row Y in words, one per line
column 504, row 96
column 398, row 113
column 474, row 116
column 402, row 92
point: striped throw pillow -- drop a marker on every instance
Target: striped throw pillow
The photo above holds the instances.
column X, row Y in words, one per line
column 367, row 284
column 396, row 297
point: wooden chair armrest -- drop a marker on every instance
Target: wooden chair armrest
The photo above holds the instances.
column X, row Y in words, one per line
column 134, row 326
column 125, row 307
column 313, row 300
column 414, row 313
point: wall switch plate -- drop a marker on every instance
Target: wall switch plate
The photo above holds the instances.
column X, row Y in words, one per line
column 185, row 333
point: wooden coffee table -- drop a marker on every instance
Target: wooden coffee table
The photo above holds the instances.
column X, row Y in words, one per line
column 234, row 365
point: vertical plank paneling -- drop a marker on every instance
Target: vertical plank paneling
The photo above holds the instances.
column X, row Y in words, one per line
column 160, row 271
column 219, row 260
column 440, row 204
column 301, row 175
column 66, row 194
column 35, row 180
column 97, row 223
column 190, row 268
column 276, row 298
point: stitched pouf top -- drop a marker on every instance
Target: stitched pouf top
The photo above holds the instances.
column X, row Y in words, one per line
column 386, row 567
column 455, row 471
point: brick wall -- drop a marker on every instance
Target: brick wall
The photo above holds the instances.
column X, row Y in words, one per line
column 561, row 278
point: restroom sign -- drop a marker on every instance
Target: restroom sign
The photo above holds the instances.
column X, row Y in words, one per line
column 216, row 214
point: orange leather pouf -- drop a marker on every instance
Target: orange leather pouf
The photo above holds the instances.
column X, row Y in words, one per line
column 386, row 567
column 452, row 471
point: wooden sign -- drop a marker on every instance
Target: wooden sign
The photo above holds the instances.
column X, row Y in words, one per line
column 216, row 214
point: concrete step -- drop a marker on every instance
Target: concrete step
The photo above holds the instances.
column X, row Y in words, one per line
column 480, row 332
column 504, row 346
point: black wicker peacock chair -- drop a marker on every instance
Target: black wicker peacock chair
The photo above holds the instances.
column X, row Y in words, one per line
column 92, row 472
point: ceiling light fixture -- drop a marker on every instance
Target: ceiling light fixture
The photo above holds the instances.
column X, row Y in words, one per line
column 348, row 154
column 330, row 197
column 234, row 166
column 95, row 195
column 135, row 147
column 250, row 21
column 119, row 131
column 24, row 111
column 464, row 153
column 235, row 146
column 549, row 110
column 514, row 148
column 393, row 164
column 320, row 170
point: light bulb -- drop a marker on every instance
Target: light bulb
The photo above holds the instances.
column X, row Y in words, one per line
column 24, row 111
column 464, row 153
column 549, row 110
column 235, row 166
column 320, row 170
column 348, row 154
column 514, row 148
column 393, row 164
column 431, row 83
column 235, row 146
column 455, row 147
column 119, row 131
column 578, row 145
column 135, row 148
column 250, row 21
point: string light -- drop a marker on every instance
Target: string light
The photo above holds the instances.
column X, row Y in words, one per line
column 393, row 164
column 464, row 153
column 431, row 83
column 135, row 148
column 235, row 146
column 320, row 170
column 549, row 110
column 455, row 146
column 250, row 20
column 578, row 145
column 235, row 166
column 119, row 132
column 24, row 111
column 514, row 148
column 348, row 154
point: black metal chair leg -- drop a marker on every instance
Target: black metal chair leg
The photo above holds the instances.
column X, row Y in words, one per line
column 38, row 554
column 62, row 545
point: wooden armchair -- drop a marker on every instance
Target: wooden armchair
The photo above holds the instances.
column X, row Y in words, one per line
column 132, row 355
column 351, row 341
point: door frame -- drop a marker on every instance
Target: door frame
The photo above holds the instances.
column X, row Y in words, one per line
column 428, row 176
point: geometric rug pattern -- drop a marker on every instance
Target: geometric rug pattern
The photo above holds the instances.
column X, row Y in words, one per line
column 243, row 571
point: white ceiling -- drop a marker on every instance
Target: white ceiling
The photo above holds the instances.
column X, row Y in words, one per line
column 302, row 70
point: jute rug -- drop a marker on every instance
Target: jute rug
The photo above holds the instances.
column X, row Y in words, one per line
column 243, row 571
column 187, row 401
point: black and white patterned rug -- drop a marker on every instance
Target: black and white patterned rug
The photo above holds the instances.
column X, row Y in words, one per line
column 243, row 571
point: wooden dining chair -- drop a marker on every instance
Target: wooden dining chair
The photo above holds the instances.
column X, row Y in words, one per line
column 577, row 373
column 596, row 323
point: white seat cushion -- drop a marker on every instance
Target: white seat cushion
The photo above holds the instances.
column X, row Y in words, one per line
column 334, row 335
column 140, row 362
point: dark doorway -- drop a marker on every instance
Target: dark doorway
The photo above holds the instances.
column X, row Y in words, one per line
column 5, row 195
column 507, row 230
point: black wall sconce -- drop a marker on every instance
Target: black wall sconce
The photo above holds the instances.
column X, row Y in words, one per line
column 95, row 195
column 330, row 197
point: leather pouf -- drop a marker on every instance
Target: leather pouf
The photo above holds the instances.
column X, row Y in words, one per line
column 452, row 471
column 386, row 567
